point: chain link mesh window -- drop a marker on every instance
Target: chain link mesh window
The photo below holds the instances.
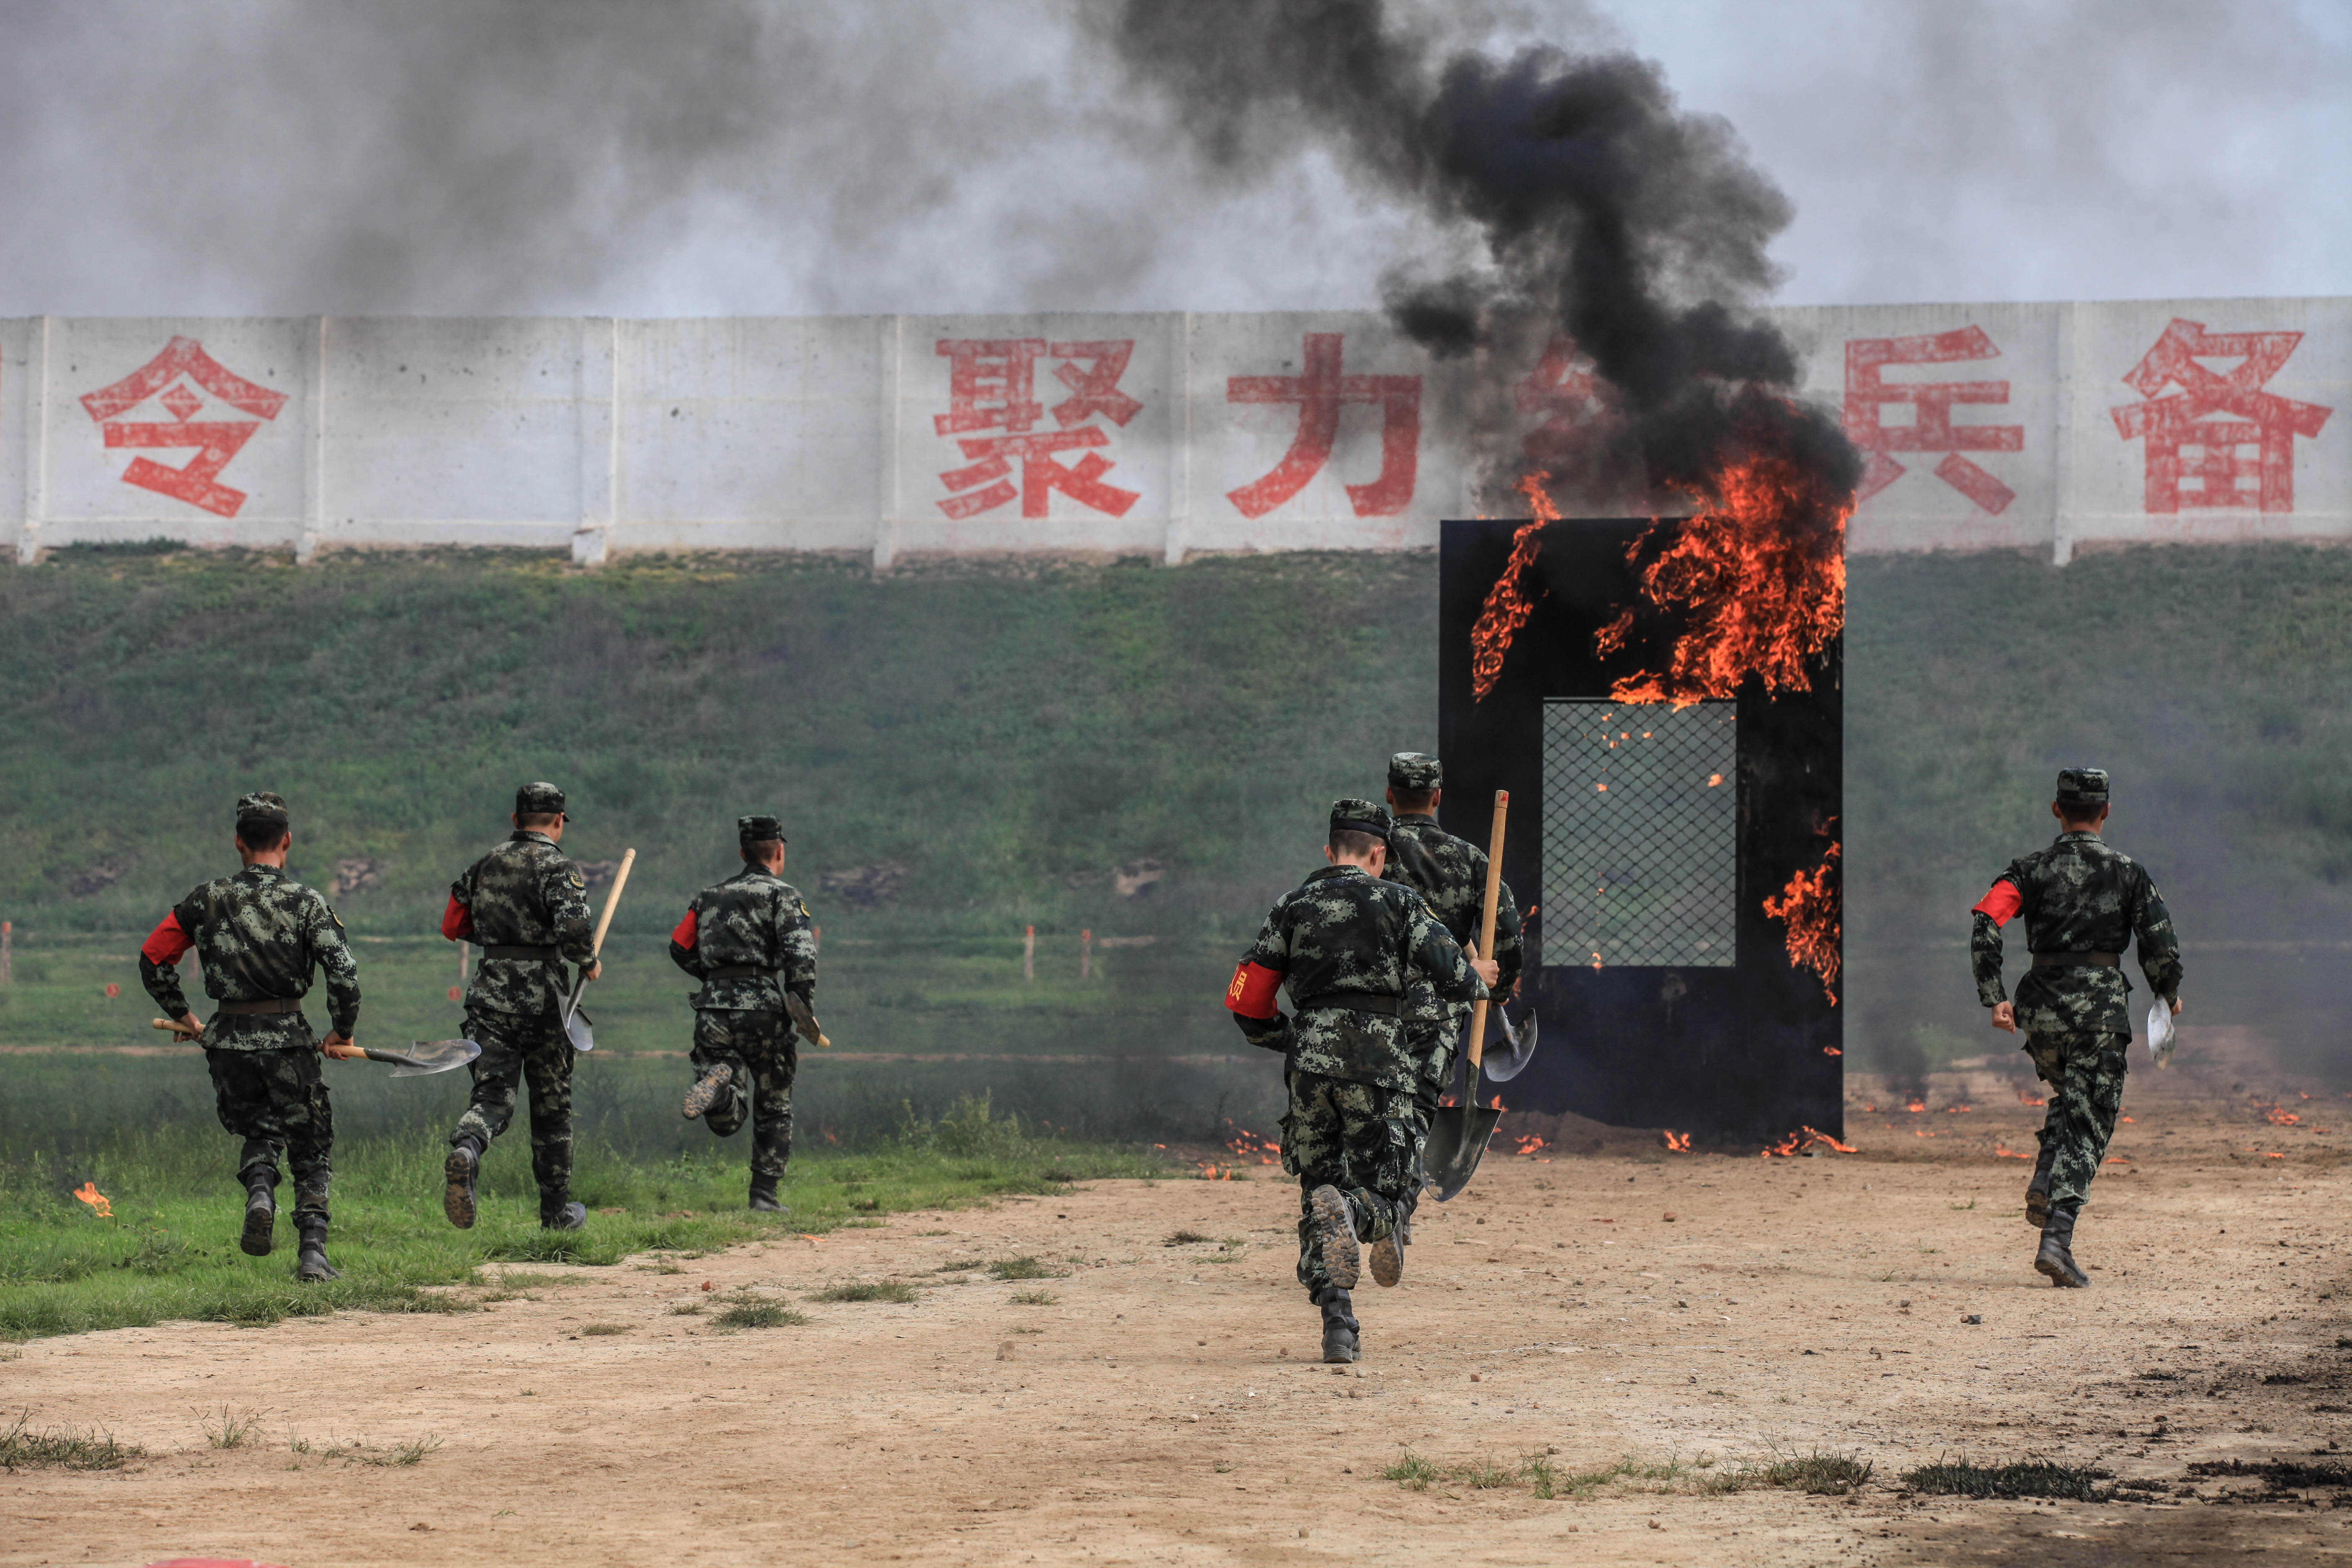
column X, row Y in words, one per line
column 1640, row 834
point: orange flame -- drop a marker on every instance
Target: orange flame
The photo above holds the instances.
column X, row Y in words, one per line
column 1916, row 1106
column 1678, row 1141
column 1243, row 1142
column 2278, row 1118
column 2025, row 1098
column 87, row 1192
column 1760, row 586
column 1528, row 1145
column 1509, row 605
column 2003, row 1151
column 1811, row 904
column 1805, row 1138
column 1964, row 1110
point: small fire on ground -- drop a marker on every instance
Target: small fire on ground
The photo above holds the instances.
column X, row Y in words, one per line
column 87, row 1192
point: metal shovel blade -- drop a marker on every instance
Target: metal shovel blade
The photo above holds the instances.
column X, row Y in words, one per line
column 1457, row 1140
column 1517, row 1046
column 580, row 1029
column 423, row 1056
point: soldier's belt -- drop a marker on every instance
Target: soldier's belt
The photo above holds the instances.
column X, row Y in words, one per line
column 550, row 953
column 248, row 1009
column 2078, row 961
column 742, row 971
column 1354, row 1001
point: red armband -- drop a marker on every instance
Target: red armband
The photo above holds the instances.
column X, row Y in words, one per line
column 456, row 920
column 1251, row 993
column 2001, row 903
column 684, row 935
column 167, row 942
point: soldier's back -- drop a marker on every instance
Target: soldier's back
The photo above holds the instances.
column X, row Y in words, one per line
column 1449, row 873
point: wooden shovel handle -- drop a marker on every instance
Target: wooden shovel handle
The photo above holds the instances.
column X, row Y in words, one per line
column 611, row 899
column 1486, row 933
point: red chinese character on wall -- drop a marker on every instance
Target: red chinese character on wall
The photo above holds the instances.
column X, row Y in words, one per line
column 2197, row 456
column 184, row 360
column 1320, row 392
column 1929, row 427
column 1570, row 399
column 993, row 386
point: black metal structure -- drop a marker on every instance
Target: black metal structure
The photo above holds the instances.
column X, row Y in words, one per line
column 1744, row 1046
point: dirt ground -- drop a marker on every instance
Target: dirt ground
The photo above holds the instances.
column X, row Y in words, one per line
column 1598, row 1300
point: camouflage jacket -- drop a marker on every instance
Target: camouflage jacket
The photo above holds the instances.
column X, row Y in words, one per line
column 1341, row 930
column 258, row 935
column 757, row 918
column 524, row 893
column 1450, row 875
column 2078, row 896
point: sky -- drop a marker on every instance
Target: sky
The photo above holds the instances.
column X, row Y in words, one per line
column 738, row 157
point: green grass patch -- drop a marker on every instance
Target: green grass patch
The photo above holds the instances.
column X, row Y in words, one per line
column 2026, row 1479
column 1817, row 1473
column 1026, row 1267
column 171, row 1252
column 759, row 1315
column 602, row 1331
column 62, row 1449
column 1033, row 1298
column 897, row 1290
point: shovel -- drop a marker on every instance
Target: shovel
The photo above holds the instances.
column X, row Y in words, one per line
column 1458, row 1134
column 1517, row 1048
column 421, row 1056
column 578, row 1026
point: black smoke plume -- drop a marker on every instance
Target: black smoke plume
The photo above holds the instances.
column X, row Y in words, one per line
column 1580, row 201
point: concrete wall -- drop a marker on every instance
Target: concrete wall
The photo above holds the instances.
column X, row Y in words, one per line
column 1993, row 427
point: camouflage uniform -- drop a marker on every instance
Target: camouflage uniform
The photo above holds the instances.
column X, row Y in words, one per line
column 2083, row 901
column 259, row 935
column 526, row 905
column 1450, row 875
column 1343, row 936
column 748, row 940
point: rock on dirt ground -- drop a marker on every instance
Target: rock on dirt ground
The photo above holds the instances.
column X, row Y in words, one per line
column 1154, row 1399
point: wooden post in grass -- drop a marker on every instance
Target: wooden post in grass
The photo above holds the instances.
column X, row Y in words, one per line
column 1085, row 953
column 1029, row 952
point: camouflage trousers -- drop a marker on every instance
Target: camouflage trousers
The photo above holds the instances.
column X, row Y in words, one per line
column 1356, row 1137
column 764, row 1053
column 276, row 1102
column 2086, row 1074
column 1438, row 1047
column 529, row 1049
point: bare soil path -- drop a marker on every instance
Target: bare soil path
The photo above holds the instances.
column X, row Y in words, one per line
column 1601, row 1299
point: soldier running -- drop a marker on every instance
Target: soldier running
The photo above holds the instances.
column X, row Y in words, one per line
column 527, row 907
column 748, row 940
column 258, row 935
column 1450, row 875
column 2082, row 902
column 1350, row 947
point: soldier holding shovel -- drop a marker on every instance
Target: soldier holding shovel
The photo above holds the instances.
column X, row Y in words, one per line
column 748, row 940
column 1349, row 947
column 258, row 935
column 526, row 906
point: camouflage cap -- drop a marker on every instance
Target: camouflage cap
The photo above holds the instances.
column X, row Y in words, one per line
column 534, row 797
column 2082, row 786
column 759, row 829
column 1359, row 816
column 1415, row 771
column 262, row 806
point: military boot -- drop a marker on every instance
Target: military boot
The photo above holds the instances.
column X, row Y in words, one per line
column 463, row 1170
column 311, row 1262
column 1387, row 1258
column 2056, row 1257
column 1335, row 1226
column 1340, row 1344
column 706, row 1089
column 2037, row 1191
column 561, row 1213
column 764, row 1197
column 260, row 1212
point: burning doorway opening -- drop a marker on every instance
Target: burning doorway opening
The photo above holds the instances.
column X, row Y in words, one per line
column 1681, row 860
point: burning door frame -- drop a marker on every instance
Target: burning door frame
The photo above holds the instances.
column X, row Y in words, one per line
column 1745, row 1051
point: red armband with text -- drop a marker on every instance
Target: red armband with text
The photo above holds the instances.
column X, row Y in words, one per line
column 167, row 942
column 684, row 935
column 2001, row 903
column 1251, row 993
column 456, row 920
